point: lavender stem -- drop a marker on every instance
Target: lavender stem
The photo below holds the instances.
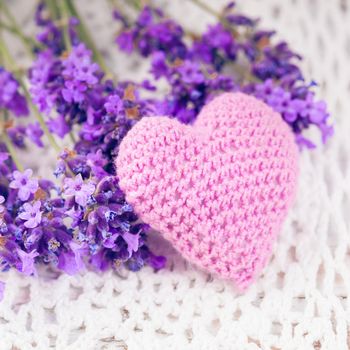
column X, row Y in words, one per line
column 206, row 8
column 64, row 14
column 15, row 29
column 9, row 145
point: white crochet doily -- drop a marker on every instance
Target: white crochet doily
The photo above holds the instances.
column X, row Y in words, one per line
column 302, row 300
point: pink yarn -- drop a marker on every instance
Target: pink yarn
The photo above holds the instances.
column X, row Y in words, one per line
column 220, row 189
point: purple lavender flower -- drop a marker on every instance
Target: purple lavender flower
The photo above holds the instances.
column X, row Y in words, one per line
column 79, row 189
column 304, row 142
column 190, row 73
column 126, row 41
column 299, row 112
column 59, row 126
column 10, row 97
column 159, row 65
column 278, row 62
column 79, row 72
column 3, row 157
column 6, row 163
column 153, row 32
column 315, row 111
column 240, row 20
column 157, row 262
column 114, row 105
column 24, row 184
column 31, row 214
column 71, row 85
column 97, row 162
column 190, row 88
column 74, row 91
column 327, row 131
column 34, row 133
column 8, row 86
column 132, row 241
column 279, row 99
column 17, row 135
column 72, row 261
column 83, row 68
column 52, row 36
column 41, row 18
column 215, row 47
column 27, row 261
column 44, row 82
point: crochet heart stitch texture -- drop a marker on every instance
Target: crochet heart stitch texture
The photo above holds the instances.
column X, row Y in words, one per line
column 219, row 189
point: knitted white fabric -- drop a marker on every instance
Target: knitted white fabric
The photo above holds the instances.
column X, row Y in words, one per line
column 303, row 299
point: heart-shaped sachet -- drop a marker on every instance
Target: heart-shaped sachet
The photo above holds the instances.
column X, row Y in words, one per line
column 219, row 189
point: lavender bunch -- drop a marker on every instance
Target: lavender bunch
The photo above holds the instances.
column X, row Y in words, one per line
column 82, row 220
column 232, row 55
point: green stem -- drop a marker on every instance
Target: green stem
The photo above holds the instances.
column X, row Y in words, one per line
column 64, row 12
column 8, row 13
column 12, row 151
column 51, row 5
column 113, row 4
column 72, row 137
column 27, row 41
column 40, row 118
column 10, row 147
column 86, row 37
column 220, row 17
column 7, row 56
column 15, row 29
column 136, row 4
column 206, row 8
column 4, row 52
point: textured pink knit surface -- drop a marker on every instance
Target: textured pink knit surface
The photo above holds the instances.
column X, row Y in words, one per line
column 220, row 189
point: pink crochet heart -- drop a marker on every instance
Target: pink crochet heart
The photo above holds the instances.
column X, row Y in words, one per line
column 220, row 189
